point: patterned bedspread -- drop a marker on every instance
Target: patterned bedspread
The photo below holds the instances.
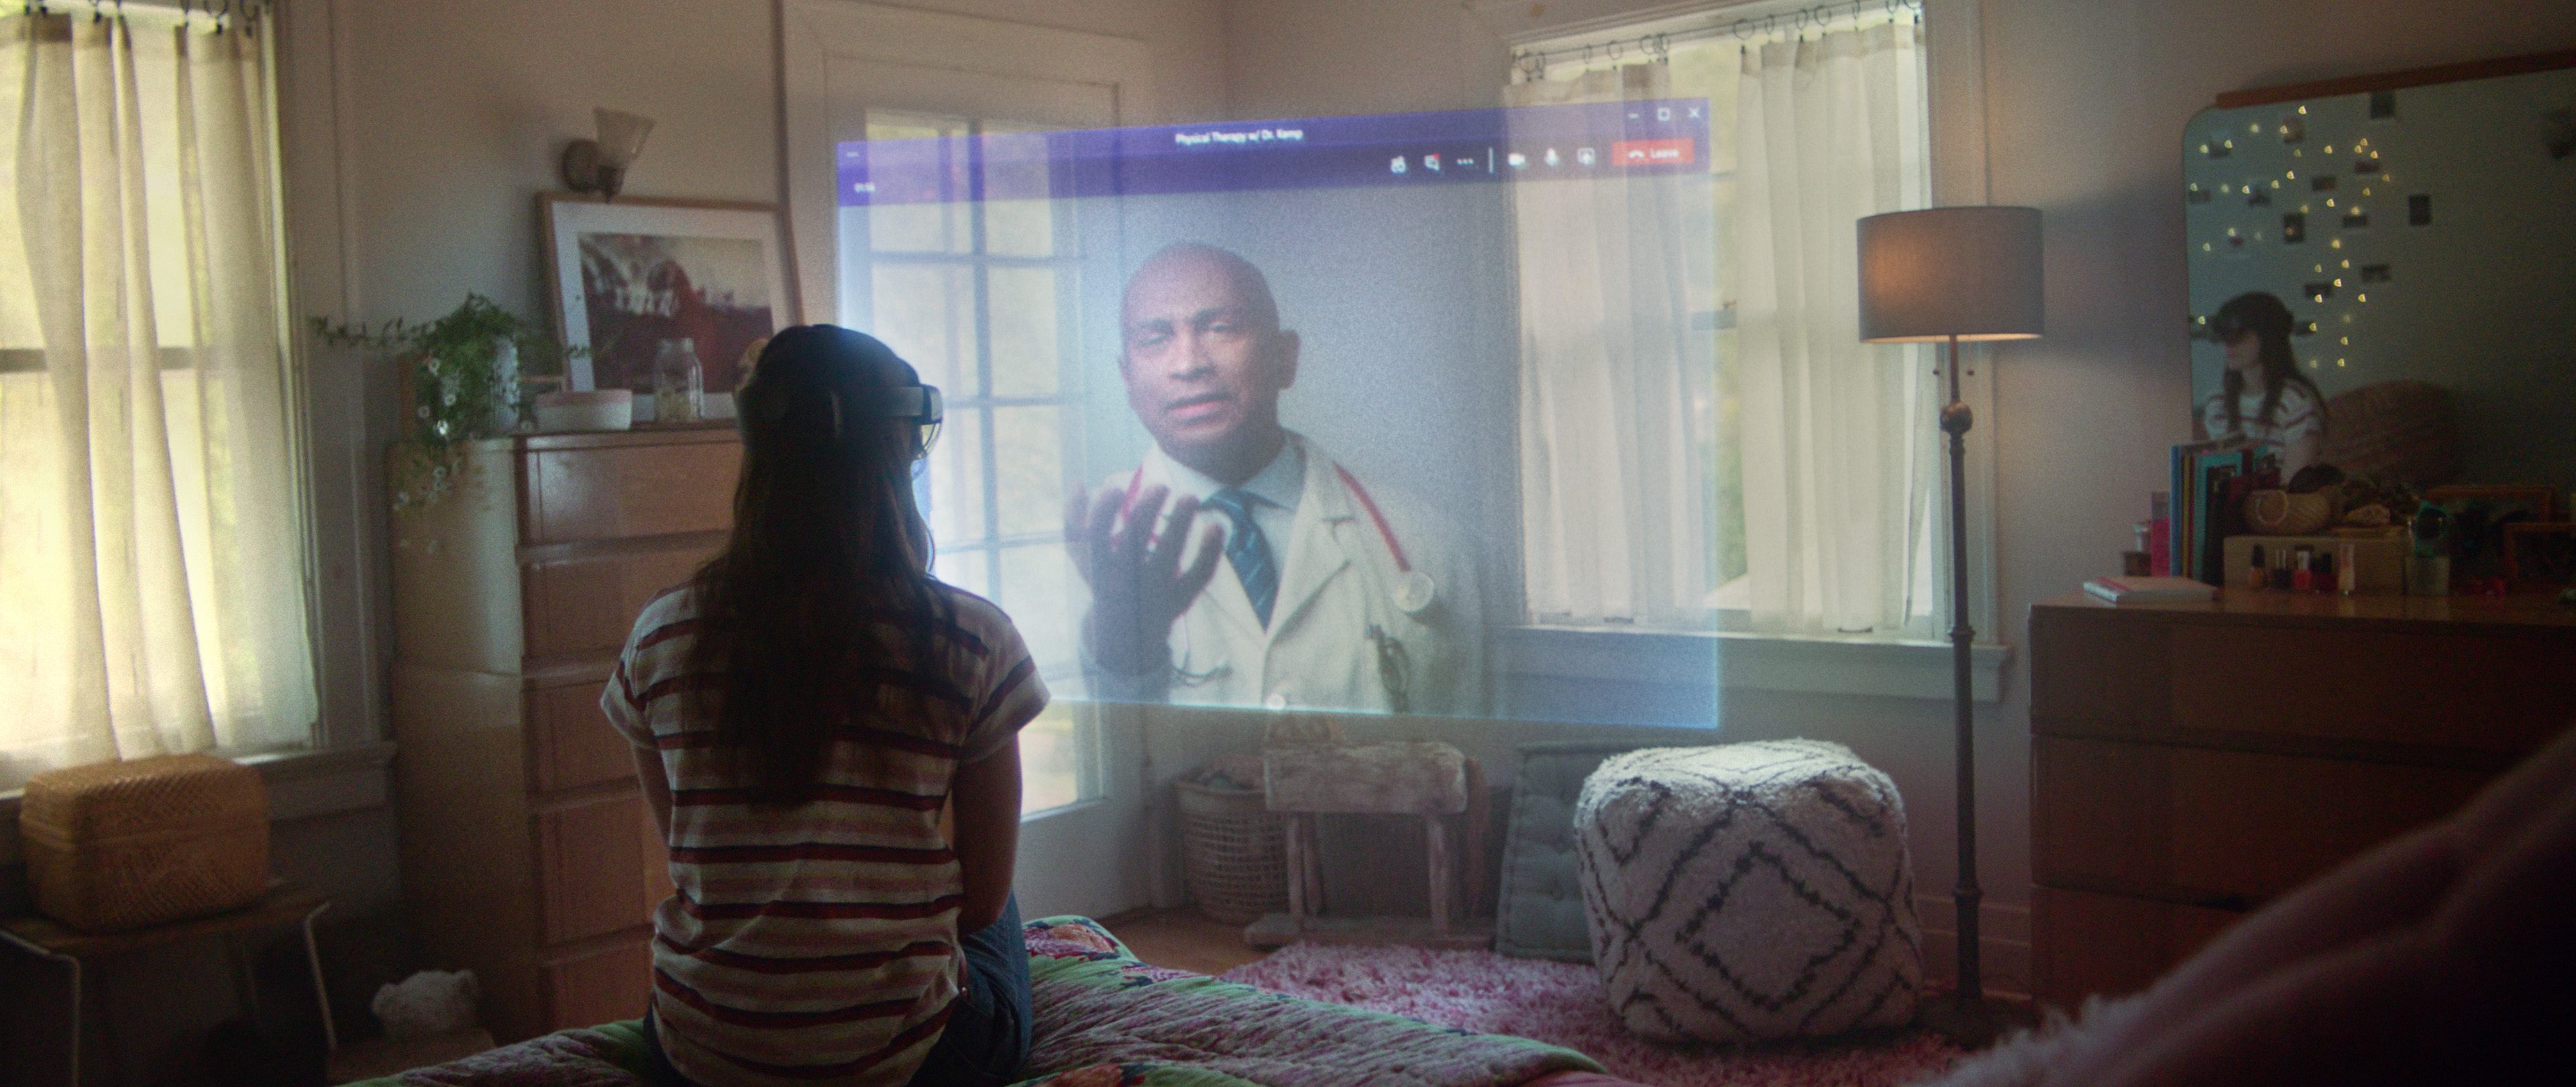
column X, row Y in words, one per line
column 1106, row 1019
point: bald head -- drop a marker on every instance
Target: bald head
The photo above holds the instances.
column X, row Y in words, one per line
column 1205, row 360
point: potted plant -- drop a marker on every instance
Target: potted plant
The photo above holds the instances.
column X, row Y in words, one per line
column 464, row 377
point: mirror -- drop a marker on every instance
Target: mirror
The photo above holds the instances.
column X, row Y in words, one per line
column 2421, row 229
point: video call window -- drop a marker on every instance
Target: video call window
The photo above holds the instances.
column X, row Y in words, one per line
column 1323, row 318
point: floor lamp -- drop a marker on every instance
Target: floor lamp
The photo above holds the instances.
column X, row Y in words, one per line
column 1952, row 274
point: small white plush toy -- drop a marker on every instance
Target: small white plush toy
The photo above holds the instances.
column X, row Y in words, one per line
column 428, row 1003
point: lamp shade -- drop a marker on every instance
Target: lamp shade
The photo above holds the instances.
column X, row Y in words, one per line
column 621, row 136
column 1969, row 272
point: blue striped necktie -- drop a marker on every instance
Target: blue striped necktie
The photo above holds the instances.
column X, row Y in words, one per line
column 1246, row 548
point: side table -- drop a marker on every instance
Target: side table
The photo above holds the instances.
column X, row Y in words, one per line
column 285, row 904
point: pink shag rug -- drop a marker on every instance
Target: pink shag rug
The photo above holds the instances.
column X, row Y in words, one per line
column 1561, row 1003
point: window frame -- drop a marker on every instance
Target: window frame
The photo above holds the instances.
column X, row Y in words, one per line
column 1898, row 663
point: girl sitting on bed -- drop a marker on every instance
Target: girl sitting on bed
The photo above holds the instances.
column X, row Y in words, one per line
column 801, row 710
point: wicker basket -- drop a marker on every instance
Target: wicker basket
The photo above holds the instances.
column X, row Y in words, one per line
column 1234, row 851
column 126, row 845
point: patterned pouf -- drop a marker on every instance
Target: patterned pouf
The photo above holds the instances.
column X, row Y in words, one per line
column 1748, row 891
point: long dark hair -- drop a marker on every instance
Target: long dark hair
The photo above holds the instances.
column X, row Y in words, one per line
column 2270, row 322
column 824, row 586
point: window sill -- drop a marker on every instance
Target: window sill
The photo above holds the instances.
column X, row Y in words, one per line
column 304, row 784
column 1814, row 664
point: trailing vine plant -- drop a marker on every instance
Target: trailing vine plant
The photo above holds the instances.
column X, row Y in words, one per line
column 464, row 373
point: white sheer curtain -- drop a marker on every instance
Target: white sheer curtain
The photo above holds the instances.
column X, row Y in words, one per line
column 152, row 560
column 1614, row 511
column 1838, row 436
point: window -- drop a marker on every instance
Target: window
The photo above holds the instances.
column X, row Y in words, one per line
column 969, row 290
column 1798, row 465
column 152, row 550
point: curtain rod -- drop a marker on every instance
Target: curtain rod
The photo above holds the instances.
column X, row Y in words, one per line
column 220, row 12
column 1657, row 46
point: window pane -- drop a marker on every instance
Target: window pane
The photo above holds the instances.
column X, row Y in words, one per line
column 926, row 312
column 1028, row 456
column 1053, row 770
column 1019, row 228
column 1024, row 331
column 941, row 227
column 1037, row 589
column 956, row 472
column 968, row 568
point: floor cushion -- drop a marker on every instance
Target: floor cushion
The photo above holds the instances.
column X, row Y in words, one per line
column 1539, row 914
column 1752, row 891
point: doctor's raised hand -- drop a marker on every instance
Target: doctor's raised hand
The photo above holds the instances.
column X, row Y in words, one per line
column 1138, row 586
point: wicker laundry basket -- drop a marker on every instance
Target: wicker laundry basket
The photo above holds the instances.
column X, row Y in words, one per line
column 1234, row 852
column 127, row 845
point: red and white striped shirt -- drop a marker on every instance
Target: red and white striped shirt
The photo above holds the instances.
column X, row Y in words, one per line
column 817, row 944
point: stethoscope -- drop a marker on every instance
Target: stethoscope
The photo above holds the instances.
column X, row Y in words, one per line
column 1413, row 592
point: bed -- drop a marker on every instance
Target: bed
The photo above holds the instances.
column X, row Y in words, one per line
column 1107, row 1019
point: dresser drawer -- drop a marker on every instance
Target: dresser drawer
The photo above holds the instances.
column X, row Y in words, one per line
column 2218, row 827
column 614, row 492
column 2086, row 943
column 588, row 602
column 603, row 986
column 2498, row 695
column 591, row 867
column 570, row 743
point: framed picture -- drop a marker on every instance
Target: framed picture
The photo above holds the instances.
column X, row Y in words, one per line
column 2485, row 512
column 628, row 277
column 2540, row 554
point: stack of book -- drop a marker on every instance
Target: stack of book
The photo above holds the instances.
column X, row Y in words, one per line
column 2202, row 472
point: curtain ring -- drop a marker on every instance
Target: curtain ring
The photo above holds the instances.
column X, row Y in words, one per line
column 1742, row 29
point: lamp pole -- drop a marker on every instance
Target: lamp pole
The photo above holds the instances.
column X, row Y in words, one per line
column 1966, row 1016
column 1956, row 418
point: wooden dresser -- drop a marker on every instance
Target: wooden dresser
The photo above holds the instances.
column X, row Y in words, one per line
column 2194, row 761
column 527, row 854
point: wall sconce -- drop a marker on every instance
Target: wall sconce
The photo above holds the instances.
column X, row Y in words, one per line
column 600, row 165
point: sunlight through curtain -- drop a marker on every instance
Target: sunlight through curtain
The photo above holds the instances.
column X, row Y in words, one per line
column 1614, row 387
column 1838, row 443
column 152, row 554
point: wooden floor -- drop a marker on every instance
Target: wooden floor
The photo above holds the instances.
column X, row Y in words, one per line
column 1184, row 939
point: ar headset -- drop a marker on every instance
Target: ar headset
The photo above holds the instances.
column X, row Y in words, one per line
column 919, row 403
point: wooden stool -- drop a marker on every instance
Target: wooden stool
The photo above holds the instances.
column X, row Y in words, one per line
column 286, row 904
column 1419, row 778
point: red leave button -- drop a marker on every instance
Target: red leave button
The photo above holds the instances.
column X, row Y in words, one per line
column 1650, row 152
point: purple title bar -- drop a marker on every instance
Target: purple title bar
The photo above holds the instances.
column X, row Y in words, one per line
column 1527, row 143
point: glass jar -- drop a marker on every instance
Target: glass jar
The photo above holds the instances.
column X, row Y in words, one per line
column 679, row 383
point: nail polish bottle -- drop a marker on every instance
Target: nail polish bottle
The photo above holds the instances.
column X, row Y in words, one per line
column 2281, row 569
column 2302, row 579
column 2325, row 570
column 2258, row 575
column 2347, row 572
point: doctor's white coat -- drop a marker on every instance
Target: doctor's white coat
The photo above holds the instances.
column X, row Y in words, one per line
column 1337, row 580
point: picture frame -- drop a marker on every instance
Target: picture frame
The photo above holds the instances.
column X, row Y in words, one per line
column 622, row 277
column 2485, row 513
column 2540, row 554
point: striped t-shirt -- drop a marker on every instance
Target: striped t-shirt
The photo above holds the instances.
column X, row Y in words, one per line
column 817, row 944
column 2295, row 417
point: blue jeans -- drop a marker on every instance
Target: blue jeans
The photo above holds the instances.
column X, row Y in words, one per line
column 987, row 1037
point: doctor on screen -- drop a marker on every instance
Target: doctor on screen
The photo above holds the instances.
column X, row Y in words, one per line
column 1297, row 584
